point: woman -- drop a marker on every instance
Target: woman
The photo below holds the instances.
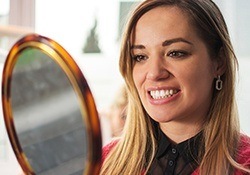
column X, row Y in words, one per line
column 179, row 67
column 117, row 112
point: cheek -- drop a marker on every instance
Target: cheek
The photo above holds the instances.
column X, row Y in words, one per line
column 199, row 77
column 137, row 77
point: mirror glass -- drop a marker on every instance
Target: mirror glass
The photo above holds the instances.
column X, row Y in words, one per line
column 49, row 111
column 47, row 115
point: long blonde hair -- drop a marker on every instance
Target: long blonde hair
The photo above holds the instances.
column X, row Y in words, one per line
column 136, row 149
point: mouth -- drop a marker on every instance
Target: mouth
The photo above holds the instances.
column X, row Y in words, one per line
column 161, row 94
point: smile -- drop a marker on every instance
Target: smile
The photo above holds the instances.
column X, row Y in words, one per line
column 160, row 94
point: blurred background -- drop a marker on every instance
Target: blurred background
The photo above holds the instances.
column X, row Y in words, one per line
column 90, row 31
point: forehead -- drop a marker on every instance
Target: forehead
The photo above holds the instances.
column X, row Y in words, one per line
column 165, row 21
column 163, row 12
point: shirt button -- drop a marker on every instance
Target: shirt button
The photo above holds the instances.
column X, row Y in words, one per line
column 171, row 163
column 173, row 150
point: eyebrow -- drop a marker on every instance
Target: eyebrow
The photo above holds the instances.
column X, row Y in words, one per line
column 137, row 47
column 165, row 43
column 175, row 40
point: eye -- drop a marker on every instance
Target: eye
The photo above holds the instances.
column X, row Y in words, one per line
column 139, row 58
column 177, row 54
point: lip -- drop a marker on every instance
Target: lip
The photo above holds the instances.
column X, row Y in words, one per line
column 163, row 100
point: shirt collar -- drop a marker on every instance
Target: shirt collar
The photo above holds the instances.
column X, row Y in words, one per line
column 188, row 149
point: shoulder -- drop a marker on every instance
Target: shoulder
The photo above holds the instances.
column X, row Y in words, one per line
column 107, row 148
column 244, row 150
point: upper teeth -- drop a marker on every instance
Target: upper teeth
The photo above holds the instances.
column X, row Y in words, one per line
column 158, row 94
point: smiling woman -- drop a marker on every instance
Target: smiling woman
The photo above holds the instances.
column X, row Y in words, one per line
column 179, row 67
column 68, row 23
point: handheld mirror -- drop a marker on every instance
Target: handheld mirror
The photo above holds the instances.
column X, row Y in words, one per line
column 49, row 111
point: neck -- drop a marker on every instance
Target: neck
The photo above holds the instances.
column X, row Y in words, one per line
column 179, row 132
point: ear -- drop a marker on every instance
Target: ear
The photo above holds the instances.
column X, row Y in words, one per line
column 220, row 63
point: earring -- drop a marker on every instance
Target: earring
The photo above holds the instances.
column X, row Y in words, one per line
column 218, row 83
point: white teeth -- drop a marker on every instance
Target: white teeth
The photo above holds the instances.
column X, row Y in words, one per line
column 171, row 92
column 162, row 93
column 159, row 94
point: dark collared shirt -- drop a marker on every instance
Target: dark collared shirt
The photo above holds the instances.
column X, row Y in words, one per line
column 176, row 159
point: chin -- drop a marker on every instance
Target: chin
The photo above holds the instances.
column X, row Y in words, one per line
column 163, row 119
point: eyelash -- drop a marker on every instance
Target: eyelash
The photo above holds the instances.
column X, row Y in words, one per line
column 172, row 54
column 139, row 58
column 177, row 54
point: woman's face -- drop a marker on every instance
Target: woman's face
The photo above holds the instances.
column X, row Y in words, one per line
column 173, row 72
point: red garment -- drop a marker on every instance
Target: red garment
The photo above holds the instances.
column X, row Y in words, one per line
column 243, row 156
column 106, row 149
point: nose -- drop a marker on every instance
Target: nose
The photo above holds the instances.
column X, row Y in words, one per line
column 157, row 70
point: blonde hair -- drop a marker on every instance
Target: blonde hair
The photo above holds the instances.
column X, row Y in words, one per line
column 137, row 147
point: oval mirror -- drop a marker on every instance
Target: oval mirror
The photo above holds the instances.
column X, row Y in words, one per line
column 49, row 111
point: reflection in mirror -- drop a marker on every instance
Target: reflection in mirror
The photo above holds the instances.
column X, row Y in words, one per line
column 47, row 115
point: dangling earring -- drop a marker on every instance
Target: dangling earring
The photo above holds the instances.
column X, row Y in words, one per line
column 218, row 83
